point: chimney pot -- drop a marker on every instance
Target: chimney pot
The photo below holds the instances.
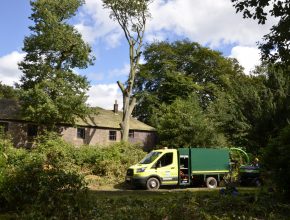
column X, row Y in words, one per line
column 116, row 107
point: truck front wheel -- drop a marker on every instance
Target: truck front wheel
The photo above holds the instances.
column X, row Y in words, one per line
column 153, row 183
column 211, row 182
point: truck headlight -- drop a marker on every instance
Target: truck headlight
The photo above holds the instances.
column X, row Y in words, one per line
column 140, row 170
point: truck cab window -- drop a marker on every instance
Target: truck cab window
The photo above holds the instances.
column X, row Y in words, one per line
column 165, row 160
column 149, row 158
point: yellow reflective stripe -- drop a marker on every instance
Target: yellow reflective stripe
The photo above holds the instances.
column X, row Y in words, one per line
column 211, row 171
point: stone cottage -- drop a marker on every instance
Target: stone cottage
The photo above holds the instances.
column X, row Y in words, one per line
column 102, row 127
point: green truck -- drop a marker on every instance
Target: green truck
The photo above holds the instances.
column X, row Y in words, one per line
column 180, row 167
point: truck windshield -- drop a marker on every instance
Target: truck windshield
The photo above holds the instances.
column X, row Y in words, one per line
column 149, row 158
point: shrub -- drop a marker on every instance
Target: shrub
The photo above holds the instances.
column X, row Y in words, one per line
column 108, row 162
column 276, row 159
column 39, row 174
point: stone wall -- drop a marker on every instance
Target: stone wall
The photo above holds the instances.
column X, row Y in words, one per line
column 18, row 131
column 95, row 136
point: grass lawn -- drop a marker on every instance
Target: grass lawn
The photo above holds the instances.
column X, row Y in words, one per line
column 192, row 203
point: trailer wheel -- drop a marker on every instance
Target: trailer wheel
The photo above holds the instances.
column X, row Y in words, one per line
column 153, row 184
column 211, row 182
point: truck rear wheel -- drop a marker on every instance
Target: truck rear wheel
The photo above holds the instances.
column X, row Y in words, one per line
column 211, row 182
column 153, row 184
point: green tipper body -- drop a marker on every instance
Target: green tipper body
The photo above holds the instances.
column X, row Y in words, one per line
column 207, row 160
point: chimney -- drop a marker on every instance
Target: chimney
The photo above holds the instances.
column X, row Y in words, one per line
column 116, row 107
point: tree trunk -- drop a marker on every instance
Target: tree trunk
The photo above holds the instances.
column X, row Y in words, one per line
column 128, row 106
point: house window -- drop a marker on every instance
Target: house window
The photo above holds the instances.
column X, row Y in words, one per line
column 31, row 130
column 3, row 127
column 131, row 134
column 112, row 135
column 81, row 133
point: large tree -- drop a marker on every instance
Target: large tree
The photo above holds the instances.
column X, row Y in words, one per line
column 178, row 69
column 131, row 16
column 52, row 92
column 276, row 45
column 184, row 124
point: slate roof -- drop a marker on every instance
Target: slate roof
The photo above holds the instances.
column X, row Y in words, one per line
column 10, row 110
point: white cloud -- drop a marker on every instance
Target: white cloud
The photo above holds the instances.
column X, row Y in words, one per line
column 95, row 24
column 207, row 22
column 104, row 96
column 248, row 57
column 124, row 71
column 9, row 72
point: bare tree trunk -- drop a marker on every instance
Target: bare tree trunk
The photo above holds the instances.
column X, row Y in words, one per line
column 128, row 106
column 131, row 16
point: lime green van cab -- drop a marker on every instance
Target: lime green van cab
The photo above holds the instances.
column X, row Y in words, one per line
column 183, row 166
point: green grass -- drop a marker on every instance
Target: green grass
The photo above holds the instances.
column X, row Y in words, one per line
column 164, row 204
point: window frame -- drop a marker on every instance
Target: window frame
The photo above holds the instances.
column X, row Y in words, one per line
column 81, row 133
column 112, row 135
column 131, row 134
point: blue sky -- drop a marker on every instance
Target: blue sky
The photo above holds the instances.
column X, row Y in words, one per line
column 209, row 22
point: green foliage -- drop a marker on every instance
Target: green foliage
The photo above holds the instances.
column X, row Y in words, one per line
column 52, row 92
column 183, row 124
column 39, row 174
column 180, row 69
column 276, row 159
column 8, row 92
column 109, row 162
column 165, row 205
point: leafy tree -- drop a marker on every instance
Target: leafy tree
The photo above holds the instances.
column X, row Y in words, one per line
column 179, row 69
column 183, row 124
column 276, row 160
column 131, row 16
column 241, row 112
column 277, row 43
column 52, row 92
column 8, row 91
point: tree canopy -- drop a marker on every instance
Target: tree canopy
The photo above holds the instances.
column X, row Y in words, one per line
column 52, row 91
column 183, row 124
column 244, row 110
column 179, row 69
column 8, row 92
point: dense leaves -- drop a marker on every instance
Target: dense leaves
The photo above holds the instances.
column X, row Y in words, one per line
column 183, row 124
column 276, row 159
column 52, row 173
column 8, row 92
column 52, row 92
column 37, row 175
column 179, row 69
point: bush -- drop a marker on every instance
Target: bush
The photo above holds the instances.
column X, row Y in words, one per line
column 39, row 174
column 276, row 163
column 109, row 162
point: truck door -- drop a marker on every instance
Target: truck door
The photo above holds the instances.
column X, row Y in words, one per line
column 167, row 169
column 184, row 171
